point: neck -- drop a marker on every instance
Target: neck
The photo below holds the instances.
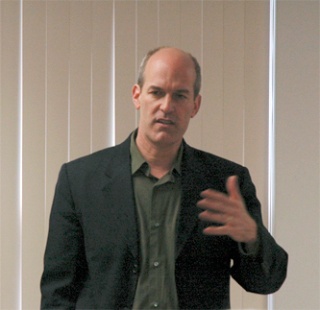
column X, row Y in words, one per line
column 159, row 157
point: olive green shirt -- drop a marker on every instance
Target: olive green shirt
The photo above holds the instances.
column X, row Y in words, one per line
column 158, row 204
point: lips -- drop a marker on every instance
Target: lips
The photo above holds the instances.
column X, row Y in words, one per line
column 165, row 121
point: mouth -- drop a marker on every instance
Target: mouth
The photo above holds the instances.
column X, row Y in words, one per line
column 165, row 121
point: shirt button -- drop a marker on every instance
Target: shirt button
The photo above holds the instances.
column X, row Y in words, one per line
column 156, row 225
column 155, row 305
column 156, row 264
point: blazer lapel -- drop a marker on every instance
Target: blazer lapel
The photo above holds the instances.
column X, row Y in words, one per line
column 118, row 189
column 191, row 182
column 195, row 179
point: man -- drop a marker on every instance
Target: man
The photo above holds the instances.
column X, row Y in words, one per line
column 153, row 222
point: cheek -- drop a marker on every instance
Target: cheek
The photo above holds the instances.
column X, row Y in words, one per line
column 186, row 114
column 147, row 113
column 151, row 109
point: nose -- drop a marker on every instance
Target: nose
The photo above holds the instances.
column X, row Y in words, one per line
column 167, row 104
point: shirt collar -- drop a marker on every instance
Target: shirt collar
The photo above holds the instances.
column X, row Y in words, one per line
column 138, row 162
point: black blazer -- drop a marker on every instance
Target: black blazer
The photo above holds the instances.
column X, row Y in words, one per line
column 92, row 254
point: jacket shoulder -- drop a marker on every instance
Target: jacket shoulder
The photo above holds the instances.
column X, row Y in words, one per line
column 110, row 157
column 92, row 157
column 209, row 160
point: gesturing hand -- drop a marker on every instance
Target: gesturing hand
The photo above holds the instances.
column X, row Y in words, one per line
column 230, row 211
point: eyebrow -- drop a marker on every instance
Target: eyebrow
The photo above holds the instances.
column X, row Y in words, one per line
column 183, row 91
column 180, row 91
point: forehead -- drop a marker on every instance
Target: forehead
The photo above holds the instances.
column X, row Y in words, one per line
column 170, row 66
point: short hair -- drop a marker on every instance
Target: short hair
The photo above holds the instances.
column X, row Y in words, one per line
column 197, row 82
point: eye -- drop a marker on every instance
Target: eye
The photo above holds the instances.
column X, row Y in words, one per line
column 157, row 93
column 180, row 96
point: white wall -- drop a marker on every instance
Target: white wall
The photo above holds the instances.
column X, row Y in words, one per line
column 297, row 160
column 67, row 68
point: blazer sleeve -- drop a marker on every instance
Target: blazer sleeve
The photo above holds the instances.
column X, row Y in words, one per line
column 264, row 270
column 64, row 260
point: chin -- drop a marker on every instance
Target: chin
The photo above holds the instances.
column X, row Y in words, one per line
column 167, row 139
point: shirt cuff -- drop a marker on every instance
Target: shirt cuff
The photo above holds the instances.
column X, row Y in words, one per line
column 251, row 249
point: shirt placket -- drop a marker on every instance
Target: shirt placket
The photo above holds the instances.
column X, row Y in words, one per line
column 157, row 236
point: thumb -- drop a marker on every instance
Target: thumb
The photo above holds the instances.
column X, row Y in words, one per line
column 232, row 186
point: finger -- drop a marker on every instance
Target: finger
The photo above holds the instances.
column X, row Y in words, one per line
column 214, row 217
column 213, row 200
column 213, row 206
column 213, row 195
column 221, row 206
column 233, row 188
column 216, row 231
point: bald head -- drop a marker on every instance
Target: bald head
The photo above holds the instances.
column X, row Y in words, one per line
column 171, row 55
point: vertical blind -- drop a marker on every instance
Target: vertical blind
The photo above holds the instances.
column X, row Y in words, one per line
column 67, row 69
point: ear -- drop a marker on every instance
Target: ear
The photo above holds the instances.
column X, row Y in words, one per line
column 197, row 103
column 136, row 91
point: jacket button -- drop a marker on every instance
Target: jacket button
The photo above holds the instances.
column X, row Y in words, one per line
column 135, row 268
